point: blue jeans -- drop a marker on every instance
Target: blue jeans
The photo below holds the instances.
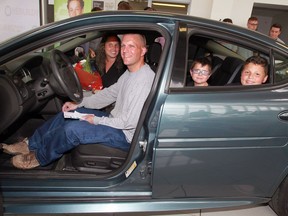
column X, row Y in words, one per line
column 59, row 135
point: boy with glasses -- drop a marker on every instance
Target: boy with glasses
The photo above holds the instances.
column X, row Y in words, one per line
column 200, row 72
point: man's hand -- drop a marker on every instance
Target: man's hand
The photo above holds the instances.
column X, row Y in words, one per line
column 68, row 106
column 89, row 118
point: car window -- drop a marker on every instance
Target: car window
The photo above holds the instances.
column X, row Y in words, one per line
column 227, row 58
column 281, row 68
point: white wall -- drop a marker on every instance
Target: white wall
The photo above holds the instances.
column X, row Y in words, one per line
column 238, row 10
column 200, row 8
column 17, row 17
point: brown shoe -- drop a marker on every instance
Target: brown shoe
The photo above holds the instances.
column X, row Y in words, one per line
column 16, row 148
column 25, row 161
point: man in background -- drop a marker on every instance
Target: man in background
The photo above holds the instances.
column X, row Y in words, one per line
column 75, row 7
column 275, row 31
column 227, row 20
column 124, row 5
column 252, row 23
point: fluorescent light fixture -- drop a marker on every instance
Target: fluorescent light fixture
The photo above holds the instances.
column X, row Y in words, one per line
column 168, row 5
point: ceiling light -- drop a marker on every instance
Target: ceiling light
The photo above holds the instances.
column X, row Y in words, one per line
column 168, row 5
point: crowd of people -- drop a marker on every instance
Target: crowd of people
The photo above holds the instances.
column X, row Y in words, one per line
column 76, row 7
column 253, row 22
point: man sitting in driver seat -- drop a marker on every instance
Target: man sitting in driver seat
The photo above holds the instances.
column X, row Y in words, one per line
column 59, row 135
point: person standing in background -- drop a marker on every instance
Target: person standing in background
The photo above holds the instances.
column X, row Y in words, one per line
column 96, row 9
column 123, row 5
column 275, row 31
column 227, row 20
column 75, row 7
column 229, row 45
column 150, row 9
column 252, row 23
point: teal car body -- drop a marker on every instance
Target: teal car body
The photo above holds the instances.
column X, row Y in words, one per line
column 194, row 148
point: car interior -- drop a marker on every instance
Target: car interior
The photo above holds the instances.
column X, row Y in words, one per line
column 29, row 79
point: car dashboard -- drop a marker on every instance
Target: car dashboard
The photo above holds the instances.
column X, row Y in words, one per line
column 23, row 88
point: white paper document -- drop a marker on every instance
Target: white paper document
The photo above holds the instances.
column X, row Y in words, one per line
column 74, row 115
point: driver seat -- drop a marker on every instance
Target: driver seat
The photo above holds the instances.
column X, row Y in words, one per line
column 97, row 158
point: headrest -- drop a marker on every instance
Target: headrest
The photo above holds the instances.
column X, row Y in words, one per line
column 230, row 64
column 154, row 53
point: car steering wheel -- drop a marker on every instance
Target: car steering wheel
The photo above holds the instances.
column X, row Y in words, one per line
column 65, row 76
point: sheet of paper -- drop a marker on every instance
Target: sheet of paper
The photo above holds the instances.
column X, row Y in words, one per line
column 74, row 115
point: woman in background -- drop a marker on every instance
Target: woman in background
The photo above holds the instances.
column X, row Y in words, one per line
column 108, row 60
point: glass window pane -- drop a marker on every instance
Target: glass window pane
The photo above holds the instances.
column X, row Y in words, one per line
column 281, row 68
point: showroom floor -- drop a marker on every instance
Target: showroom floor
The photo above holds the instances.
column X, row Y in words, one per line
column 256, row 211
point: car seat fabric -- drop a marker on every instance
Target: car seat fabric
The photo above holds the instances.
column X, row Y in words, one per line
column 216, row 63
column 97, row 158
column 230, row 67
column 153, row 55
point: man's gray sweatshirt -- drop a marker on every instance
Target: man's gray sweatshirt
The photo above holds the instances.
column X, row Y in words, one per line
column 130, row 93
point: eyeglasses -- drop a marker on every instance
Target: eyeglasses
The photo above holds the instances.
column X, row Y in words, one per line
column 200, row 72
column 254, row 24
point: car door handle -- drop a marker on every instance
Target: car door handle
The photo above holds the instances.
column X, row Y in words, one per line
column 283, row 115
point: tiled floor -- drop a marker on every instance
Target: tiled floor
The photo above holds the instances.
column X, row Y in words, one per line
column 256, row 211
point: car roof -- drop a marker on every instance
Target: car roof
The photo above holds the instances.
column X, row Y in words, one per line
column 133, row 17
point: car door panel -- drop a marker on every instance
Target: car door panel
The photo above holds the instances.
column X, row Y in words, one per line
column 211, row 144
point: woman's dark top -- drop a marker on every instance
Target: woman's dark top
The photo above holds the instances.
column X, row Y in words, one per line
column 112, row 75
